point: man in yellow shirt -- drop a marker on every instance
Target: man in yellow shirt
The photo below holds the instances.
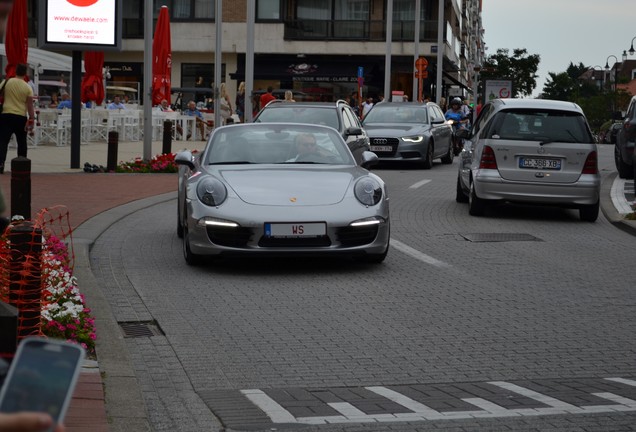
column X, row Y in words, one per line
column 18, row 102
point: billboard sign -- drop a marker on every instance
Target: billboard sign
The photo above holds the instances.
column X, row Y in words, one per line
column 497, row 89
column 80, row 25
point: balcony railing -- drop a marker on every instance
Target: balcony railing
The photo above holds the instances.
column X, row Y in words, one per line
column 358, row 30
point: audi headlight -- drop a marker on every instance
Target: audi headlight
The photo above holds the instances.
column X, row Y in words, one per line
column 211, row 191
column 414, row 139
column 368, row 191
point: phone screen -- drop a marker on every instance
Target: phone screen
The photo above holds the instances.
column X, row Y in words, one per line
column 42, row 377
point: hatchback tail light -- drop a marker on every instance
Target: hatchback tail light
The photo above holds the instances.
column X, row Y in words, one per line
column 488, row 160
column 591, row 164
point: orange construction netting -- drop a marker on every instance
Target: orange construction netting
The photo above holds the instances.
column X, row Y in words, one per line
column 31, row 256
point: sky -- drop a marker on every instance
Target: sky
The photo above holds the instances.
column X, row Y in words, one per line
column 561, row 31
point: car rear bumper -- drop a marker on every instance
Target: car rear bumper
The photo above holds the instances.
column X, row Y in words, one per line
column 586, row 191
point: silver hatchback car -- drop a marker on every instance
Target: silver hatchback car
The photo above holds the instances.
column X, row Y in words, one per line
column 530, row 151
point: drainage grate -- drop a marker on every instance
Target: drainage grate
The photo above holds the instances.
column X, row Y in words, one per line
column 499, row 237
column 140, row 329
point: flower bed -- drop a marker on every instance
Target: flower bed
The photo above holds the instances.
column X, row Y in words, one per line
column 163, row 163
column 64, row 314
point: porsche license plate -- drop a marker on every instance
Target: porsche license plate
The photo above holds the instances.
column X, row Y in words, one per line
column 300, row 229
column 540, row 163
column 381, row 148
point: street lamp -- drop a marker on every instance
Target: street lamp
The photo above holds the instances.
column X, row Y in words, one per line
column 607, row 68
column 631, row 49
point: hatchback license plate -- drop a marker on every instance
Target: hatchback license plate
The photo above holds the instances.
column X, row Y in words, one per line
column 380, row 148
column 291, row 230
column 540, row 163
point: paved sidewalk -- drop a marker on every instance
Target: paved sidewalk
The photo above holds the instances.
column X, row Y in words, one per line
column 86, row 196
column 97, row 200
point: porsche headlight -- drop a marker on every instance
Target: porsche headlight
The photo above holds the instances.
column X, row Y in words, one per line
column 414, row 139
column 368, row 191
column 211, row 191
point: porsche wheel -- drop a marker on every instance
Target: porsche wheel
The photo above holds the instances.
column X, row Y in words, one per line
column 179, row 225
column 190, row 257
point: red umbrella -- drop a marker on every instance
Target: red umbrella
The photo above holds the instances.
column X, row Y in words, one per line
column 17, row 37
column 93, row 81
column 161, row 59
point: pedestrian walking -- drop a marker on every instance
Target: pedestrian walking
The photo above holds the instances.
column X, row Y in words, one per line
column 239, row 102
column 267, row 97
column 224, row 103
column 289, row 96
column 18, row 103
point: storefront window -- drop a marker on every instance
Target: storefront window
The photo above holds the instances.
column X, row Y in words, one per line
column 268, row 10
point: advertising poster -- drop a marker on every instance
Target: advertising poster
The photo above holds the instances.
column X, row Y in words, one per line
column 81, row 22
column 497, row 89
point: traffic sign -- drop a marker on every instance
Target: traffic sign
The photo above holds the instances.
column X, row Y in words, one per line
column 421, row 64
column 360, row 72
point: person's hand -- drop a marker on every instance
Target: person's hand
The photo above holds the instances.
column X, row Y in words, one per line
column 27, row 422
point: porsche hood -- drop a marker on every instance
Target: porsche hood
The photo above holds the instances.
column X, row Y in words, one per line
column 282, row 187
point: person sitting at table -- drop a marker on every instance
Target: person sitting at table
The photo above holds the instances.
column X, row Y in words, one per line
column 116, row 104
column 54, row 100
column 192, row 110
column 66, row 102
column 164, row 106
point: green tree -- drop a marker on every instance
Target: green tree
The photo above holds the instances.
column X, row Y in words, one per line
column 559, row 86
column 521, row 68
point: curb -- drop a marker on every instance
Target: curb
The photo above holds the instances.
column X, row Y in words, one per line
column 125, row 407
column 609, row 210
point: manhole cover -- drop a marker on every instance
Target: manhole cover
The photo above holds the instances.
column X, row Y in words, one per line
column 499, row 237
column 140, row 329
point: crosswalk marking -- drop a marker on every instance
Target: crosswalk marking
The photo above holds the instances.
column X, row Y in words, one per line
column 277, row 413
column 348, row 413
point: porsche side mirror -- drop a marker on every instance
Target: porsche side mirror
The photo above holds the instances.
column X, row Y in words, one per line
column 184, row 158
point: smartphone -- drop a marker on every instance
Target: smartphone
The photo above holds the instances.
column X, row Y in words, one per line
column 42, row 377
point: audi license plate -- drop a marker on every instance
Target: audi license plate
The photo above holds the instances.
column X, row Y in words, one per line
column 381, row 148
column 540, row 163
column 291, row 230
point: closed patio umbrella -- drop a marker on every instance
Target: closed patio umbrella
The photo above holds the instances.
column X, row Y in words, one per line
column 93, row 80
column 161, row 58
column 17, row 37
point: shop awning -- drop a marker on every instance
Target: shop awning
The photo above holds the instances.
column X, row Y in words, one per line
column 40, row 60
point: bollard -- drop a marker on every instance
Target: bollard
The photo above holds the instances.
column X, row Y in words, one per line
column 8, row 331
column 113, row 143
column 25, row 274
column 21, row 187
column 167, row 137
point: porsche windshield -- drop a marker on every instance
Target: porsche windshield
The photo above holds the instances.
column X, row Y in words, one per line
column 277, row 144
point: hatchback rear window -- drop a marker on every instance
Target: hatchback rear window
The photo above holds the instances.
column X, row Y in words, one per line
column 539, row 125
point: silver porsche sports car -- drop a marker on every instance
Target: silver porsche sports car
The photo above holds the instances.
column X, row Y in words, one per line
column 280, row 189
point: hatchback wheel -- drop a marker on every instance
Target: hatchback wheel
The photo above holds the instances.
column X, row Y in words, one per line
column 476, row 205
column 461, row 196
column 589, row 213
